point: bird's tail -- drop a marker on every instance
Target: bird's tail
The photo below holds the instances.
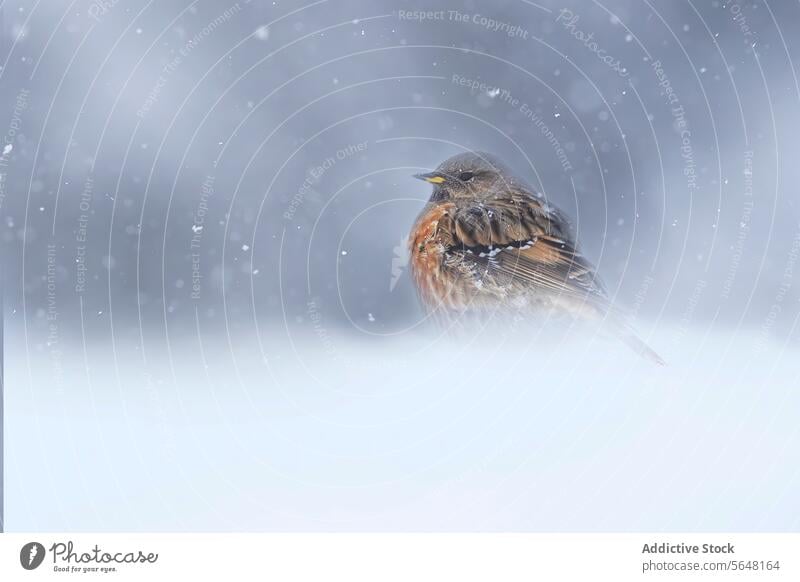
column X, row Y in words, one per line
column 633, row 341
column 615, row 323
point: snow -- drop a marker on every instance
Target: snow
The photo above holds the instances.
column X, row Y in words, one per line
column 407, row 433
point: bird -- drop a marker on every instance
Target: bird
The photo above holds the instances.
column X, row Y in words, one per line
column 487, row 242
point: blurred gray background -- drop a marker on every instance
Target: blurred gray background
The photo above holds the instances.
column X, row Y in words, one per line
column 209, row 323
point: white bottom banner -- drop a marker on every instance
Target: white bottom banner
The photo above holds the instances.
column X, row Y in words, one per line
column 389, row 557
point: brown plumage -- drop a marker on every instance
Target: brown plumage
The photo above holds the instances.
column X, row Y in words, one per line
column 486, row 242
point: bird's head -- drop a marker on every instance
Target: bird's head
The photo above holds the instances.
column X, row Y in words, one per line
column 467, row 175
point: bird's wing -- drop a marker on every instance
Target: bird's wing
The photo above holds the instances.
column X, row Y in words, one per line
column 524, row 241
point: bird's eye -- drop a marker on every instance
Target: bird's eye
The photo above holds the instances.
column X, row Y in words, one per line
column 466, row 176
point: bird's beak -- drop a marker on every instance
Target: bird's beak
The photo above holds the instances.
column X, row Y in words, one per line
column 432, row 177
